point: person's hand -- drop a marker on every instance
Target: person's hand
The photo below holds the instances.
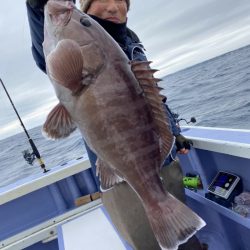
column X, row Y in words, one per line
column 37, row 4
column 183, row 144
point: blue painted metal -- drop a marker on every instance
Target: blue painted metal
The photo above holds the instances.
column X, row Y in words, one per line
column 87, row 186
column 52, row 245
column 41, row 205
column 58, row 199
column 26, row 212
column 225, row 230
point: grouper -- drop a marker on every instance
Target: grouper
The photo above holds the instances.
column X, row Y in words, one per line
column 117, row 106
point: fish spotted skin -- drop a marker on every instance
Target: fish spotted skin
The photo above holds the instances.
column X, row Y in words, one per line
column 117, row 107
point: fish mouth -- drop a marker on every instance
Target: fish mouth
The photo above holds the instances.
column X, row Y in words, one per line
column 60, row 13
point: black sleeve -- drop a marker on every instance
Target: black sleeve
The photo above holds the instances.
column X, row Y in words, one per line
column 133, row 36
column 36, row 23
column 174, row 127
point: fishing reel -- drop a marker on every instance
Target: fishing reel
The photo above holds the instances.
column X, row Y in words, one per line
column 29, row 157
column 192, row 119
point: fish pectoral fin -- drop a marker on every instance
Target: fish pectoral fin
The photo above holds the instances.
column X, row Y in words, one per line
column 145, row 76
column 107, row 176
column 65, row 65
column 58, row 123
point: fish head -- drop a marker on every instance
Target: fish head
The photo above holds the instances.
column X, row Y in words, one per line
column 68, row 32
column 64, row 20
column 80, row 59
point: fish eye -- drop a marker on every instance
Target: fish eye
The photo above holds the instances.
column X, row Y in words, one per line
column 85, row 22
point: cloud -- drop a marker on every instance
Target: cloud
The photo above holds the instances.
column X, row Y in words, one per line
column 176, row 34
column 181, row 33
column 201, row 48
column 38, row 114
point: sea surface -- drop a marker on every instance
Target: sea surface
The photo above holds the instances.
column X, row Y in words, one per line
column 215, row 92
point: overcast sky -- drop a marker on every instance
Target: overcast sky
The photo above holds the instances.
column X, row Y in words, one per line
column 176, row 34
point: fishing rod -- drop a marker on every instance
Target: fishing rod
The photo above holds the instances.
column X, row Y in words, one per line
column 35, row 152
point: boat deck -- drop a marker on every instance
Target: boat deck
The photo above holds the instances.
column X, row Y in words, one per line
column 35, row 212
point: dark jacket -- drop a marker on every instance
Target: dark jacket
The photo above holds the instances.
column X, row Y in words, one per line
column 125, row 37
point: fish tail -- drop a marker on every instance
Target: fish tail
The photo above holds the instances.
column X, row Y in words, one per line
column 173, row 222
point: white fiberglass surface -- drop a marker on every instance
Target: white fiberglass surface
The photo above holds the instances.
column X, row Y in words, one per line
column 92, row 231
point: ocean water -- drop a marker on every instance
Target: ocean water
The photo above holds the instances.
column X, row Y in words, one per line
column 215, row 92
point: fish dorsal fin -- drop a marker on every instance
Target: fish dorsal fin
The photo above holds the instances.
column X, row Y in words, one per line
column 65, row 65
column 147, row 81
column 58, row 123
column 107, row 176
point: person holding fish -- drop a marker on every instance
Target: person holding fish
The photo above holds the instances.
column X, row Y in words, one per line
column 122, row 203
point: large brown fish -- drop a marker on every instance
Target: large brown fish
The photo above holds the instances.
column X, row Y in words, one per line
column 117, row 107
